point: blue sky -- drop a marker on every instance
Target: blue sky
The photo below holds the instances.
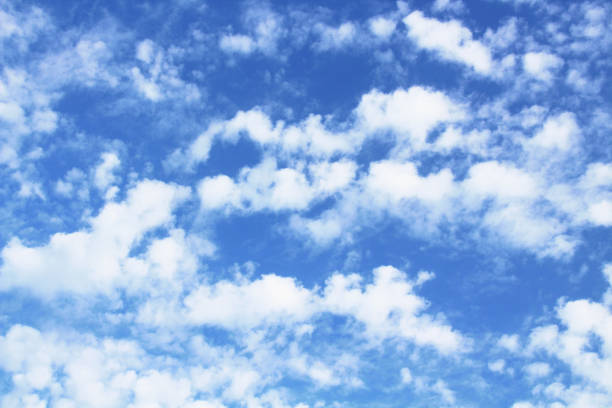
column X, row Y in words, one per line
column 305, row 204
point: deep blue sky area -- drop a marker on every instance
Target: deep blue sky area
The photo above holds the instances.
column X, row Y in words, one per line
column 289, row 204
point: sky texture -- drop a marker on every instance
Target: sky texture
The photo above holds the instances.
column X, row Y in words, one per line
column 305, row 204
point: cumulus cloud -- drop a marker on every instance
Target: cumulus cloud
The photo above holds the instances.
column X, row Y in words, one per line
column 541, row 65
column 108, row 298
column 387, row 308
column 580, row 340
column 558, row 134
column 268, row 187
column 450, row 40
column 103, row 175
column 410, row 114
column 91, row 260
column 382, row 27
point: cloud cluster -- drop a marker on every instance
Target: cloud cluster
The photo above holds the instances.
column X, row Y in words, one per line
column 197, row 202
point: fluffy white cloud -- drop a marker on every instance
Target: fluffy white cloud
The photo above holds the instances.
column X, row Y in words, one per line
column 410, row 114
column 90, row 260
column 541, row 65
column 500, row 181
column 382, row 27
column 25, row 110
column 474, row 142
column 600, row 213
column 387, row 307
column 559, row 134
column 268, row 187
column 269, row 300
column 537, row 370
column 394, row 181
column 103, row 175
column 69, row 371
column 509, row 342
column 451, row 40
column 497, row 366
column 582, row 340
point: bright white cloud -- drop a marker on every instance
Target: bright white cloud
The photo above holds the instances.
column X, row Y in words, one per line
column 500, row 181
column 103, row 175
column 451, row 40
column 559, row 133
column 90, row 261
column 581, row 340
column 157, row 77
column 394, row 181
column 410, row 114
column 387, row 308
column 541, row 65
column 382, row 27
column 269, row 300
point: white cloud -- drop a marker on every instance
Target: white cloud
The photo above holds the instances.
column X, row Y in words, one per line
column 103, row 174
column 145, row 51
column 501, row 181
column 157, row 77
column 216, row 192
column 582, row 342
column 382, row 27
column 406, row 376
column 559, row 133
column 72, row 370
column 147, row 87
column 323, row 230
column 497, row 366
column 522, row 404
column 237, row 43
column 9, row 25
column 537, row 370
column 583, row 320
column 25, row 24
column 395, row 181
column 269, row 300
column 541, row 65
column 25, row 109
column 411, row 114
column 44, row 121
column 448, row 5
column 474, row 142
column 331, row 177
column 451, row 40
column 332, row 38
column 265, row 29
column 387, row 308
column 268, row 187
column 600, row 213
column 90, row 261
